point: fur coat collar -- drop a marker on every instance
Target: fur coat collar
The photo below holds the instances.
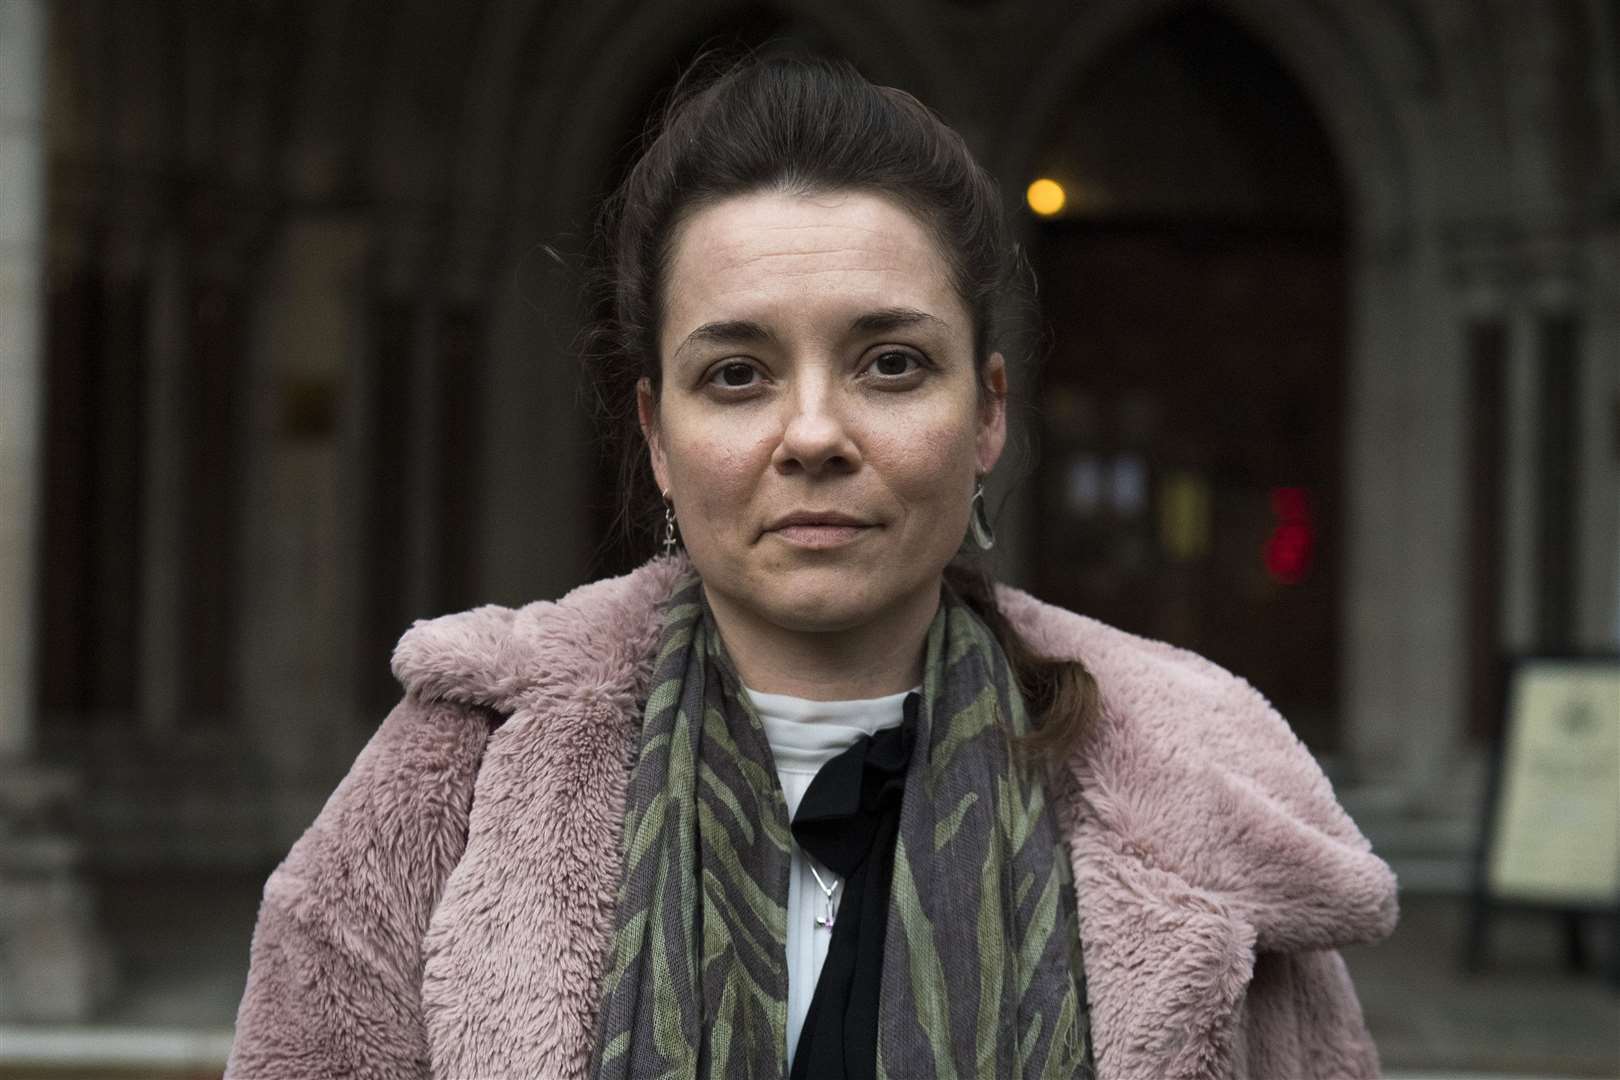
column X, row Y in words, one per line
column 1215, row 871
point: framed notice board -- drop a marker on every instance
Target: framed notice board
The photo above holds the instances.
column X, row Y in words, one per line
column 1550, row 837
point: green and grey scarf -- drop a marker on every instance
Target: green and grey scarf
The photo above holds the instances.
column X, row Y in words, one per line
column 982, row 974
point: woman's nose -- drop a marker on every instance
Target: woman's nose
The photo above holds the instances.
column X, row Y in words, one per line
column 816, row 436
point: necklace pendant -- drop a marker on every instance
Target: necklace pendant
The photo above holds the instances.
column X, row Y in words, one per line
column 825, row 920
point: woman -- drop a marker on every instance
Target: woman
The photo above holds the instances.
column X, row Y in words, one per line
column 810, row 796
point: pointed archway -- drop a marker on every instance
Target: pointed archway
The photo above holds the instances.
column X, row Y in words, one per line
column 1190, row 486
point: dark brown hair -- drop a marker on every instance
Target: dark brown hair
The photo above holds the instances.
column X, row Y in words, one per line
column 804, row 124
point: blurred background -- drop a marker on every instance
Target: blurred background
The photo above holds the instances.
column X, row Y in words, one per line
column 287, row 296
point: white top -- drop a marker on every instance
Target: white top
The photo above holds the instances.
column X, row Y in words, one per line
column 805, row 735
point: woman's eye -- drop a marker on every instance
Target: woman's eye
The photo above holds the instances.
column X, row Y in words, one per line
column 893, row 362
column 734, row 375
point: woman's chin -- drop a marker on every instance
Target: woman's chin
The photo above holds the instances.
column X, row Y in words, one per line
column 833, row 599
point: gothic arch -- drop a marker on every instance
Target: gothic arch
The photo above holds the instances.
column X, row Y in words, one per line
column 1355, row 75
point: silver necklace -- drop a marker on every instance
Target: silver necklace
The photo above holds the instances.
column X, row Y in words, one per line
column 825, row 920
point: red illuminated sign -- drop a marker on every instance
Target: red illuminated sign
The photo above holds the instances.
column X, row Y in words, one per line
column 1293, row 538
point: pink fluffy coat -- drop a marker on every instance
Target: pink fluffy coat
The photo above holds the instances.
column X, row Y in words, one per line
column 449, row 912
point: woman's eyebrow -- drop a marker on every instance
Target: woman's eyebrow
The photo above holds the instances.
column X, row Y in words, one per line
column 727, row 332
column 895, row 318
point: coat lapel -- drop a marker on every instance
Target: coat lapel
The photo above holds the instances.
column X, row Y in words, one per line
column 513, row 955
column 1166, row 964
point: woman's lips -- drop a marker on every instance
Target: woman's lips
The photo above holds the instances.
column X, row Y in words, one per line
column 820, row 536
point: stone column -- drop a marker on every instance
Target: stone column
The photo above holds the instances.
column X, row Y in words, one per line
column 1597, row 614
column 22, row 245
column 1378, row 638
column 163, row 563
column 296, row 653
column 52, row 963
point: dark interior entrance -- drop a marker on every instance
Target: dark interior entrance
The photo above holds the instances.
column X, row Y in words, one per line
column 1190, row 486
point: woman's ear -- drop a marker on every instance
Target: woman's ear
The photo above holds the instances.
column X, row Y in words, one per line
column 647, row 414
column 992, row 413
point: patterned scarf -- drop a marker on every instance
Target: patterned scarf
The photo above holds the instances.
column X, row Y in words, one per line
column 981, row 974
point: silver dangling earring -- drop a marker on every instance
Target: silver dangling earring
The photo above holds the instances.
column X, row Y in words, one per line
column 669, row 526
column 984, row 537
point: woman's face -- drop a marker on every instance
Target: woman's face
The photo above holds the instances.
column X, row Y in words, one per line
column 820, row 424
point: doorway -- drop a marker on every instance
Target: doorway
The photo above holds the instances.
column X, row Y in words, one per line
column 1190, row 485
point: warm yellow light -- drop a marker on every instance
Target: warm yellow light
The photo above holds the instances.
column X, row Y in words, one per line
column 1046, row 197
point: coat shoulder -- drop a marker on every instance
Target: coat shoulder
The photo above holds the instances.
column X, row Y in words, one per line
column 590, row 642
column 1192, row 768
column 1167, row 691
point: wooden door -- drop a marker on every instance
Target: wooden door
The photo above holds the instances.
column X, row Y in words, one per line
column 1190, row 481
